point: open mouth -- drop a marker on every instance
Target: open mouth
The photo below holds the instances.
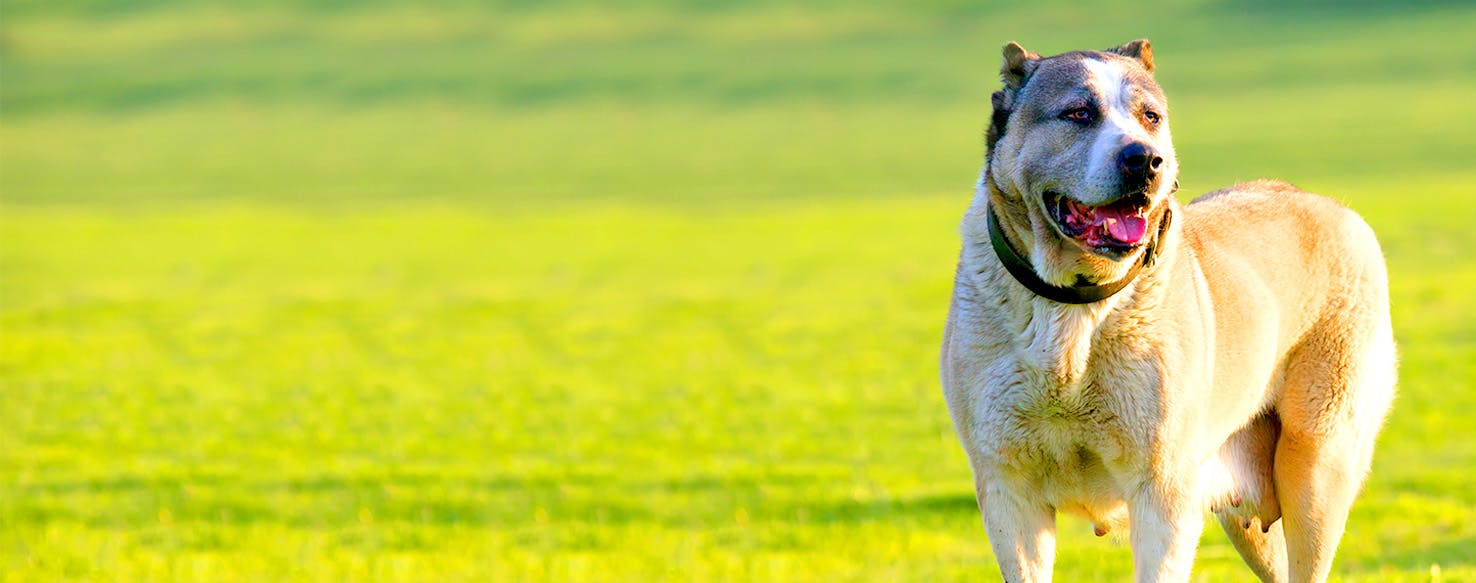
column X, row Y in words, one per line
column 1111, row 229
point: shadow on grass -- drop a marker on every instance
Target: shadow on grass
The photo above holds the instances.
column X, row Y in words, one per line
column 466, row 500
column 890, row 508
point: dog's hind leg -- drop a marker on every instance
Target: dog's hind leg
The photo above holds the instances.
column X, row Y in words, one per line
column 1317, row 480
column 1338, row 391
column 1249, row 511
column 1264, row 551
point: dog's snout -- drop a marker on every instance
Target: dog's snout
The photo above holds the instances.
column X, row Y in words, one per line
column 1139, row 160
column 1140, row 166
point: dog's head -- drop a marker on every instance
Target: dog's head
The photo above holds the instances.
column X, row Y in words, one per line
column 1080, row 142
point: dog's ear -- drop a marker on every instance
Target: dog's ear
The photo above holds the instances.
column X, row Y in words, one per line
column 997, row 120
column 1018, row 64
column 1138, row 49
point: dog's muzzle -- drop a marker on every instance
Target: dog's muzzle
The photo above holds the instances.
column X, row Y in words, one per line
column 1140, row 165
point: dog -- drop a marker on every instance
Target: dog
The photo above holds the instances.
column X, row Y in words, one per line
column 1114, row 354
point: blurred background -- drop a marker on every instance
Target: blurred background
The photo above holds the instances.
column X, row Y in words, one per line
column 639, row 291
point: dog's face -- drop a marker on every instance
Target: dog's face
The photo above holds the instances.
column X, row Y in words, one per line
column 1082, row 140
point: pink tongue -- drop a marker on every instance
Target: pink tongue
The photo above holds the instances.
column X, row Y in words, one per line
column 1127, row 228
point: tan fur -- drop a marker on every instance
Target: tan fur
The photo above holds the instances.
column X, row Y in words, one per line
column 1248, row 370
column 1138, row 49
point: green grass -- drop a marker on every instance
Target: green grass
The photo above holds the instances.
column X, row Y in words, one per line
column 376, row 292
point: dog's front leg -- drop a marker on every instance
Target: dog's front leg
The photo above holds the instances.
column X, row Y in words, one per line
column 1022, row 531
column 1166, row 524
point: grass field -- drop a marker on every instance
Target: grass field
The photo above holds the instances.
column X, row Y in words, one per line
column 372, row 291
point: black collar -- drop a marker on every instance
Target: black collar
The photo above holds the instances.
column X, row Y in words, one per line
column 1019, row 267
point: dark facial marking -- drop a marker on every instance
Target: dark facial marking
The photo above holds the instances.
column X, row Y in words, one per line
column 1063, row 74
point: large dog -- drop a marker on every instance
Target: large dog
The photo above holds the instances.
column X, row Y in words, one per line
column 1114, row 354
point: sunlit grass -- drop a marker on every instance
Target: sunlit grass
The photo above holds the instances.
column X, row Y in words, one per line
column 607, row 295
column 639, row 391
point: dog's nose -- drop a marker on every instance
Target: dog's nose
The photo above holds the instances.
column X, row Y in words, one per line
column 1138, row 159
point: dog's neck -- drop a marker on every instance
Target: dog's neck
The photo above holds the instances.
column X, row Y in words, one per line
column 1014, row 216
column 1054, row 338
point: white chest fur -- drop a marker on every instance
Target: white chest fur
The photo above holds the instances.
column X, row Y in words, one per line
column 1060, row 339
column 1044, row 415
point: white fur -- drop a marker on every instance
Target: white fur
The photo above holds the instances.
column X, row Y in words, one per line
column 1120, row 127
column 1061, row 338
column 1107, row 80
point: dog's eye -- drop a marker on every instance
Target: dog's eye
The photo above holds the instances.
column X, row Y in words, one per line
column 1081, row 115
column 1152, row 117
